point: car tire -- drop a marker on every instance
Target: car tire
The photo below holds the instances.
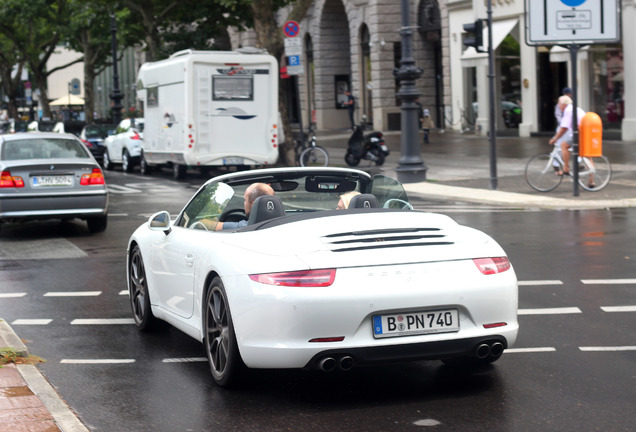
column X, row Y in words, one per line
column 219, row 339
column 126, row 162
column 106, row 163
column 178, row 171
column 138, row 292
column 144, row 167
column 97, row 224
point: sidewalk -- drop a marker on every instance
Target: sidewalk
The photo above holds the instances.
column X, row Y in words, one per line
column 459, row 170
column 28, row 403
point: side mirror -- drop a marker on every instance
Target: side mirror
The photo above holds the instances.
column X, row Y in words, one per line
column 160, row 222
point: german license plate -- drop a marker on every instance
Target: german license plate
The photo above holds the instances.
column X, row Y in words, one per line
column 53, row 180
column 415, row 323
column 233, row 161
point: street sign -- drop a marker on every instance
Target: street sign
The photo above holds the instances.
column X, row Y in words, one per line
column 293, row 46
column 563, row 22
column 291, row 29
column 74, row 86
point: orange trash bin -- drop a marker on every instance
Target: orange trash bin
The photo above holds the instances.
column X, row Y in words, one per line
column 591, row 135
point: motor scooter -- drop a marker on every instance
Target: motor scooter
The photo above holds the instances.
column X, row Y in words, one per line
column 368, row 147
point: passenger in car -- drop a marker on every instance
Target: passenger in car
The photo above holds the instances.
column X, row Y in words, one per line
column 345, row 199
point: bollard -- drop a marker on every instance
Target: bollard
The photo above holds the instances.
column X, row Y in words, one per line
column 591, row 135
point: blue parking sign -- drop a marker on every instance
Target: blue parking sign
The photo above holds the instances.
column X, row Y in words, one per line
column 293, row 60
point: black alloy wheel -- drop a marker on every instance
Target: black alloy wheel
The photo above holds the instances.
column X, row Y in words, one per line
column 138, row 290
column 220, row 343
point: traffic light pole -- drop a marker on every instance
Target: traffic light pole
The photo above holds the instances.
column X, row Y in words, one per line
column 491, row 90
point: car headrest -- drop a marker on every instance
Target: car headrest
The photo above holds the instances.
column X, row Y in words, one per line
column 364, row 201
column 266, row 207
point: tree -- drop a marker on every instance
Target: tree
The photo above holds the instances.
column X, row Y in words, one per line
column 36, row 28
column 172, row 25
column 11, row 66
column 270, row 36
column 90, row 34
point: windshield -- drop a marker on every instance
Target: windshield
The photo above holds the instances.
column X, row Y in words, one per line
column 298, row 194
column 43, row 148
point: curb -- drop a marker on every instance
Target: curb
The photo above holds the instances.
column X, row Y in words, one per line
column 8, row 339
column 64, row 417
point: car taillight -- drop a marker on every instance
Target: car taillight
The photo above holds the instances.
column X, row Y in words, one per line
column 303, row 278
column 9, row 181
column 94, row 178
column 490, row 266
column 87, row 143
column 135, row 136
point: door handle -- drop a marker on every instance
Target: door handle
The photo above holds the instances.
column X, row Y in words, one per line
column 189, row 259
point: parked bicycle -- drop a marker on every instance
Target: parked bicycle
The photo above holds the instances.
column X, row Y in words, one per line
column 308, row 153
column 544, row 172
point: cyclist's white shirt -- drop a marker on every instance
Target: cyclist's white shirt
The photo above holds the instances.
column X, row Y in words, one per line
column 566, row 122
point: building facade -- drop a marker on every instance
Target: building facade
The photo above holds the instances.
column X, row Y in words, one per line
column 356, row 45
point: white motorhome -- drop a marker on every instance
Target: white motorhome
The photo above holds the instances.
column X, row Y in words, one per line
column 209, row 109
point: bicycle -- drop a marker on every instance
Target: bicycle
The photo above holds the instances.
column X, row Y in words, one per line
column 542, row 171
column 309, row 154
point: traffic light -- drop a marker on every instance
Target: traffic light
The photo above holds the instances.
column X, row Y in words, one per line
column 474, row 38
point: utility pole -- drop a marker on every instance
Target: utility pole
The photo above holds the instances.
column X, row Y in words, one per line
column 116, row 95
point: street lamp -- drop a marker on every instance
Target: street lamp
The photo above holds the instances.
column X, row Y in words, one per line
column 116, row 95
column 411, row 167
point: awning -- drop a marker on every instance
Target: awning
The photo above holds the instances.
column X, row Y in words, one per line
column 67, row 100
column 559, row 54
column 500, row 29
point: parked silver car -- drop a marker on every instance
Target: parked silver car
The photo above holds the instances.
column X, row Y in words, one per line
column 47, row 175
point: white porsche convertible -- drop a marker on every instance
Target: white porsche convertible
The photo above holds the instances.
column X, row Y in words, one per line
column 304, row 285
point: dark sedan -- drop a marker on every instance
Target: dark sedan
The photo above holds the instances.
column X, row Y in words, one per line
column 50, row 176
column 93, row 136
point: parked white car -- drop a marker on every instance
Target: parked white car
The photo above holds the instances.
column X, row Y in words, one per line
column 124, row 147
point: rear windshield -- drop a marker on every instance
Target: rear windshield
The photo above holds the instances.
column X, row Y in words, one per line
column 43, row 148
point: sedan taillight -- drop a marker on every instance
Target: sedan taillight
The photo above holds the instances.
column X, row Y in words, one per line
column 94, row 178
column 490, row 266
column 87, row 143
column 303, row 278
column 9, row 181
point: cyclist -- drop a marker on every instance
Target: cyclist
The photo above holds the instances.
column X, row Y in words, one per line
column 564, row 135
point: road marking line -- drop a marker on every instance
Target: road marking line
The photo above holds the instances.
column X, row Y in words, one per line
column 529, row 350
column 123, row 292
column 618, row 308
column 608, row 281
column 549, row 311
column 608, row 349
column 119, row 189
column 102, row 321
column 540, row 282
column 32, row 321
column 72, row 294
column 12, row 295
column 97, row 361
column 185, row 360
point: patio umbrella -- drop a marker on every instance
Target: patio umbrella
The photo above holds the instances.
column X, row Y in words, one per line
column 67, row 100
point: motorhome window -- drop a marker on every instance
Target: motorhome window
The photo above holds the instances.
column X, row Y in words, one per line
column 232, row 88
column 152, row 96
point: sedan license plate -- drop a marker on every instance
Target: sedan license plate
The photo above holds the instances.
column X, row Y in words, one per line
column 233, row 161
column 53, row 180
column 415, row 323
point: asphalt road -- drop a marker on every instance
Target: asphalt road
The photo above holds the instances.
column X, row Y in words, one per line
column 572, row 367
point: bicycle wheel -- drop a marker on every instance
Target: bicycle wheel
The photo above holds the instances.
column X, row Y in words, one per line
column 594, row 173
column 314, row 157
column 541, row 174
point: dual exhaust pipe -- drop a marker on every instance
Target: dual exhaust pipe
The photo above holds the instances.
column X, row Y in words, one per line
column 329, row 364
column 492, row 349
